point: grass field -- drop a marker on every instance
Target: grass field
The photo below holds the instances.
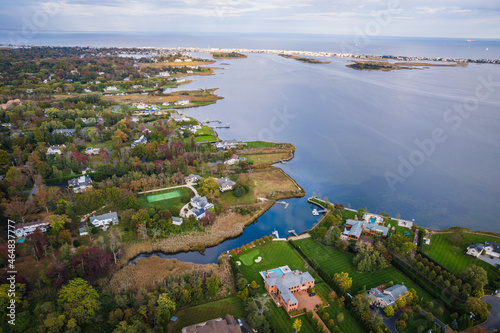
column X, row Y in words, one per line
column 453, row 258
column 208, row 138
column 268, row 158
column 163, row 196
column 334, row 261
column 261, row 144
column 201, row 313
column 165, row 204
column 248, row 258
column 282, row 322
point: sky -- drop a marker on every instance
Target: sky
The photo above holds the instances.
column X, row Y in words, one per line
column 416, row 18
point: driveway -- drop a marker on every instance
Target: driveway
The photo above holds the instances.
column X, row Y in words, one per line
column 390, row 323
column 489, row 260
column 493, row 322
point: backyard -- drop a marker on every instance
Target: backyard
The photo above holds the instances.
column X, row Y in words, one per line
column 453, row 257
column 165, row 204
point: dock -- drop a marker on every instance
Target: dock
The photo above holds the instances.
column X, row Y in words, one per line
column 219, row 126
column 294, row 233
column 211, row 121
column 283, row 203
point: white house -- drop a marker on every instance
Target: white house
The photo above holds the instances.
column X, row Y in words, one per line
column 25, row 229
column 226, row 144
column 475, row 250
column 182, row 102
column 92, row 151
column 177, row 220
column 111, row 88
column 198, row 202
column 225, row 184
column 142, row 140
column 55, row 150
column 386, row 297
column 490, row 249
column 164, row 74
column 192, row 178
column 232, row 160
column 103, row 221
column 180, row 80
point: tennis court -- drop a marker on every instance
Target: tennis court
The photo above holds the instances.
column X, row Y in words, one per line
column 163, row 196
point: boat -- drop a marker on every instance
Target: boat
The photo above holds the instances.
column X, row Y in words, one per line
column 315, row 212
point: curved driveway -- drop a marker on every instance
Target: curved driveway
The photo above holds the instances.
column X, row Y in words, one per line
column 493, row 322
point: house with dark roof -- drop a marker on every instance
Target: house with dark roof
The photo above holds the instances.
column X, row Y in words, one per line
column 198, row 202
column 475, row 250
column 141, row 141
column 80, row 184
column 192, row 178
column 226, row 144
column 489, row 248
column 25, row 229
column 387, row 296
column 220, row 325
column 67, row 132
column 282, row 287
column 355, row 228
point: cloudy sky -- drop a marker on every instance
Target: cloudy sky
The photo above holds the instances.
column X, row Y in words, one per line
column 424, row 18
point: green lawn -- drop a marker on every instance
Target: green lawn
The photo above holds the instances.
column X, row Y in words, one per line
column 348, row 324
column 261, row 144
column 164, row 204
column 204, row 130
column 201, row 313
column 248, row 258
column 334, row 261
column 453, row 258
column 208, row 138
column 283, row 323
column 228, row 199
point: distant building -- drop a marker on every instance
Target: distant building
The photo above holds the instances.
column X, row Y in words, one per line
column 83, row 231
column 178, row 117
column 110, row 88
column 282, row 287
column 386, row 297
column 164, row 74
column 232, row 160
column 92, row 151
column 67, row 132
column 192, row 178
column 182, row 102
column 198, row 202
column 142, row 141
column 103, row 221
column 80, row 184
column 177, row 220
column 219, row 325
column 55, row 150
column 10, row 104
column 226, row 144
column 225, row 184
column 22, row 230
column 354, row 229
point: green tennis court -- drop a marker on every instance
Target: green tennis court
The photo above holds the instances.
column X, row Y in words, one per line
column 163, row 196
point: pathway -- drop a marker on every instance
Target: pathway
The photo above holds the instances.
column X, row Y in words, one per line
column 390, row 323
column 493, row 322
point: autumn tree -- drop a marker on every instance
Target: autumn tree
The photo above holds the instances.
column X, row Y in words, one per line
column 94, row 262
column 297, row 325
column 343, row 281
column 208, row 187
column 478, row 308
column 58, row 221
column 79, row 300
column 475, row 275
column 19, row 209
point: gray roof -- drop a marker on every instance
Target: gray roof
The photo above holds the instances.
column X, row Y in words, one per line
column 494, row 245
column 224, row 181
column 80, row 181
column 478, row 247
column 193, row 176
column 291, row 279
column 389, row 295
column 357, row 228
column 113, row 216
column 65, row 131
column 176, row 220
column 199, row 201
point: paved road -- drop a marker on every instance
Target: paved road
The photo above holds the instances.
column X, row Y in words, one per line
column 390, row 323
column 493, row 322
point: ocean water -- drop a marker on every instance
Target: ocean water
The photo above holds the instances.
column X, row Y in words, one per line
column 423, row 144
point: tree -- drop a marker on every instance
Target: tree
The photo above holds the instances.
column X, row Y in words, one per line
column 475, row 275
column 340, row 317
column 94, row 262
column 19, row 209
column 79, row 300
column 58, row 221
column 343, row 281
column 243, row 294
column 166, row 308
column 478, row 308
column 54, row 323
column 297, row 325
column 209, row 187
column 389, row 311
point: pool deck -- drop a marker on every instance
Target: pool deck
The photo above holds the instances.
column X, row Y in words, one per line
column 282, row 270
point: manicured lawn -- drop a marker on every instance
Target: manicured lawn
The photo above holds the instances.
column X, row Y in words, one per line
column 348, row 324
column 228, row 199
column 248, row 258
column 261, row 144
column 267, row 158
column 208, row 138
column 201, row 313
column 274, row 254
column 204, row 130
column 283, row 323
column 164, row 204
column 453, row 258
column 334, row 261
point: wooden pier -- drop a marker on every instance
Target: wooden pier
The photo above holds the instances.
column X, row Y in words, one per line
column 283, row 203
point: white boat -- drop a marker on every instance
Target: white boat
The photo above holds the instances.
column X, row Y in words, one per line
column 315, row 212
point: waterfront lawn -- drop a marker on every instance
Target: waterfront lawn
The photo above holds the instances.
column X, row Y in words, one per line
column 201, row 313
column 227, row 198
column 334, row 261
column 165, row 204
column 349, row 324
column 274, row 254
column 204, row 130
column 208, row 138
column 267, row 158
column 453, row 258
column 261, row 144
column 248, row 258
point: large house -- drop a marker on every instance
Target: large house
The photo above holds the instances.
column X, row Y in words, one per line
column 142, row 141
column 80, row 184
column 182, row 101
column 282, row 287
column 199, row 206
column 225, row 184
column 489, row 248
column 354, row 229
column 226, row 144
column 232, row 160
column 25, row 229
column 67, row 132
column 192, row 178
column 386, row 297
column 103, row 221
column 55, row 150
column 92, row 151
column 177, row 220
column 226, row 325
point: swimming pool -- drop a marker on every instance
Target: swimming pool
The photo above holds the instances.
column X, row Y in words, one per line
column 373, row 219
column 279, row 271
column 21, row 240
